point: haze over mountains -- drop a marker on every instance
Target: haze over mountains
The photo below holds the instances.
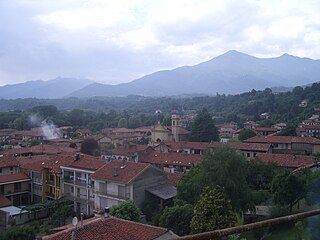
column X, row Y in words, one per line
column 230, row 73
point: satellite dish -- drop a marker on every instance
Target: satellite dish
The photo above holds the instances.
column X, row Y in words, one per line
column 74, row 221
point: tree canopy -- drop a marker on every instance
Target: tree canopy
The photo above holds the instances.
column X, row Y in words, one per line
column 177, row 218
column 288, row 188
column 246, row 134
column 223, row 167
column 127, row 210
column 90, row 146
column 213, row 211
column 203, row 128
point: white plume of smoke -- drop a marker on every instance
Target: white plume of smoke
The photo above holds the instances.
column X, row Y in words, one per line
column 49, row 130
column 34, row 120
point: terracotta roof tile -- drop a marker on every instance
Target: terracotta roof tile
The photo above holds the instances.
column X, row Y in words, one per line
column 4, row 202
column 110, row 228
column 125, row 174
column 174, row 178
column 286, row 160
column 40, row 149
column 8, row 162
column 260, row 147
column 172, row 158
column 87, row 162
column 13, row 178
column 283, row 139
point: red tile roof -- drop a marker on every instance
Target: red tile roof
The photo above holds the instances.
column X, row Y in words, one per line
column 286, row 160
column 83, row 131
column 265, row 129
column 189, row 145
column 125, row 174
column 204, row 145
column 40, row 149
column 128, row 151
column 172, row 158
column 110, row 228
column 8, row 162
column 181, row 130
column 87, row 162
column 259, row 147
column 283, row 139
column 174, row 178
column 16, row 177
column 4, row 202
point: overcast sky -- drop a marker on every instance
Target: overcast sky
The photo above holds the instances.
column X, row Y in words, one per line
column 120, row 40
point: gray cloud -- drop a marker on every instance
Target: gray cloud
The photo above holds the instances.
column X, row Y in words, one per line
column 118, row 41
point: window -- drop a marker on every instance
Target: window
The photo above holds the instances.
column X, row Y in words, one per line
column 17, row 187
column 121, row 191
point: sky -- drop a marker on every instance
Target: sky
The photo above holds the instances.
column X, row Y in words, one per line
column 121, row 40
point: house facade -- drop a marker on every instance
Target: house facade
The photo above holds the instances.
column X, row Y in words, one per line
column 77, row 184
column 119, row 181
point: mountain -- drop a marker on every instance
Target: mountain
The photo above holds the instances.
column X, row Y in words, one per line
column 230, row 73
column 55, row 88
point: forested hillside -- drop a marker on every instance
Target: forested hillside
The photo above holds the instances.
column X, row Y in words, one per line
column 282, row 107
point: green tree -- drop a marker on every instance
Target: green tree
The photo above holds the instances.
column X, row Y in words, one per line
column 60, row 215
column 246, row 134
column 289, row 188
column 190, row 187
column 260, row 174
column 25, row 232
column 177, row 218
column 288, row 131
column 46, row 111
column 123, row 123
column 221, row 166
column 90, row 146
column 127, row 210
column 213, row 211
column 203, row 128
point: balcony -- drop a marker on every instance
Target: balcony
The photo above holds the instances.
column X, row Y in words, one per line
column 81, row 181
column 50, row 182
column 80, row 198
column 68, row 179
column 112, row 195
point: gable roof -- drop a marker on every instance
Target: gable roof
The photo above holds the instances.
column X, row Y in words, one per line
column 283, row 139
column 4, row 202
column 40, row 149
column 12, row 178
column 125, row 175
column 8, row 162
column 110, row 228
column 286, row 160
column 259, row 147
column 87, row 162
column 172, row 158
column 174, row 178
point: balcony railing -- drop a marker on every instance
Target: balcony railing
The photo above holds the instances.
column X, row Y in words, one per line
column 106, row 194
column 81, row 199
column 69, row 179
column 50, row 182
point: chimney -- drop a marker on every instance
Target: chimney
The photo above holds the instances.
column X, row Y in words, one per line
column 77, row 157
column 115, row 171
column 123, row 163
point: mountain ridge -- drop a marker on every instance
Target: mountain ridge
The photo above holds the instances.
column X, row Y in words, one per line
column 232, row 72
